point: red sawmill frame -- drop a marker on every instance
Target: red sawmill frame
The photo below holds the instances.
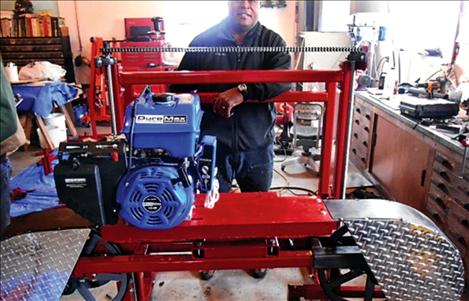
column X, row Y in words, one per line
column 244, row 229
column 336, row 104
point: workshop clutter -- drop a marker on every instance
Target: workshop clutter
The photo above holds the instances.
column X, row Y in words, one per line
column 80, row 113
column 56, row 128
column 42, row 71
column 140, row 33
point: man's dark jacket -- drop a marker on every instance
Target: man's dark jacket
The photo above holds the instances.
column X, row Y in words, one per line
column 251, row 126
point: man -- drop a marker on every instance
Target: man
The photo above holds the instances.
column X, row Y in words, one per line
column 242, row 123
column 11, row 137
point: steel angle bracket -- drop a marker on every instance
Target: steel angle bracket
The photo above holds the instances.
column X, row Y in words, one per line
column 36, row 266
column 409, row 255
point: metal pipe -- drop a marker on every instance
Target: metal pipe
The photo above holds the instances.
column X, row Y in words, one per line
column 111, row 94
column 229, row 77
column 348, row 131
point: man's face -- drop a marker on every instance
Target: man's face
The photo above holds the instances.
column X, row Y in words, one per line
column 243, row 14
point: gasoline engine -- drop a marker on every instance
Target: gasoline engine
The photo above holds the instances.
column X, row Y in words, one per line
column 149, row 177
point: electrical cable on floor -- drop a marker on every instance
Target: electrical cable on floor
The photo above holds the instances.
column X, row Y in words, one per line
column 285, row 155
column 292, row 188
column 287, row 183
column 284, row 150
column 282, row 147
column 289, row 188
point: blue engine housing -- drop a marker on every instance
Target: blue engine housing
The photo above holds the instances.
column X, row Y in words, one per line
column 150, row 200
column 166, row 121
column 169, row 162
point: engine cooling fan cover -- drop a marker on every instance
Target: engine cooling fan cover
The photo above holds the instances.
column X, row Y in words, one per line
column 149, row 200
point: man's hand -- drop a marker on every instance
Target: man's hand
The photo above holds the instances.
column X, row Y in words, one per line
column 224, row 103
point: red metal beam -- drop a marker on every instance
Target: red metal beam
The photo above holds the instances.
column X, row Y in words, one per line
column 269, row 216
column 227, row 77
column 342, row 125
column 290, row 97
column 327, row 157
column 91, row 96
column 144, row 285
column 238, row 249
column 164, row 263
column 237, row 217
column 311, row 291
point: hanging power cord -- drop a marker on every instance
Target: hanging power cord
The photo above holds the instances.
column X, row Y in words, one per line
column 282, row 147
column 80, row 46
column 79, row 59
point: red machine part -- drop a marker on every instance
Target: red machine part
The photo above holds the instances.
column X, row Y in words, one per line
column 335, row 123
column 140, row 61
column 284, row 113
column 98, row 104
column 146, row 33
column 136, row 28
column 220, row 238
column 243, row 230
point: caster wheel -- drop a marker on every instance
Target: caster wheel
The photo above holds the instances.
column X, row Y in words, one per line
column 96, row 246
column 206, row 275
column 259, row 273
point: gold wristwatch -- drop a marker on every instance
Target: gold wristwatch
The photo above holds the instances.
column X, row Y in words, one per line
column 243, row 89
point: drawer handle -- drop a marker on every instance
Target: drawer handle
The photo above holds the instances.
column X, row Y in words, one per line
column 437, row 218
column 447, row 164
column 443, row 188
column 423, row 176
column 440, row 203
column 465, row 223
column 445, row 176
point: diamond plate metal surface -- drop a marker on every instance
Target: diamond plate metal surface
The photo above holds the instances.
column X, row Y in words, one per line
column 36, row 266
column 410, row 262
column 408, row 254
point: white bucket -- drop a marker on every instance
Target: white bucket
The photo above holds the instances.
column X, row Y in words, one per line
column 56, row 120
column 56, row 134
column 11, row 71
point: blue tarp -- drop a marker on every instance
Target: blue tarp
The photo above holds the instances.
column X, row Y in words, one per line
column 40, row 98
column 41, row 192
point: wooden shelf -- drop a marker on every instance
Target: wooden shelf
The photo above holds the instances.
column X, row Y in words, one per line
column 23, row 51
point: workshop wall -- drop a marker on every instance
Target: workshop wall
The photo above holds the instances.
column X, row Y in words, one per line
column 183, row 19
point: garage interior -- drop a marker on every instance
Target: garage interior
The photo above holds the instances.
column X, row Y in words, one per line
column 113, row 192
